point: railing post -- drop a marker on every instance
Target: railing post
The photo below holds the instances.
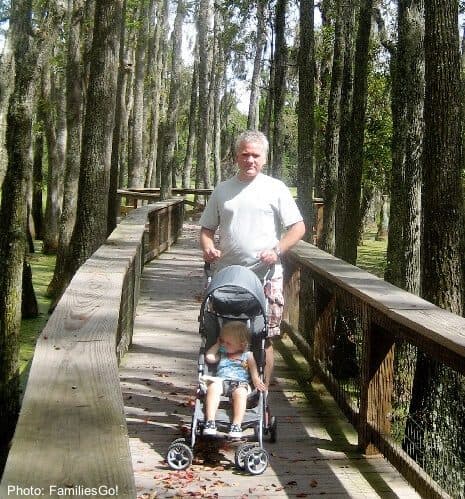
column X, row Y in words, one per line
column 325, row 305
column 306, row 305
column 376, row 387
column 291, row 290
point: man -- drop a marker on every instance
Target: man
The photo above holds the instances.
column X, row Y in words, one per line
column 250, row 211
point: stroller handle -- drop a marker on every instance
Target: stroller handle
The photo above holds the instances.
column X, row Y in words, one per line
column 207, row 268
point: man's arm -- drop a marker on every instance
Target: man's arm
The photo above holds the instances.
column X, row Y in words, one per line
column 290, row 238
column 207, row 244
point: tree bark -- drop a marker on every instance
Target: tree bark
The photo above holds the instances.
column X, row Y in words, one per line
column 90, row 229
column 193, row 109
column 37, row 179
column 52, row 207
column 279, row 87
column 345, row 132
column 437, row 390
column 408, row 82
column 6, row 84
column 331, row 163
column 203, row 145
column 169, row 138
column 219, row 70
column 136, row 165
column 305, row 116
column 74, row 118
column 157, row 44
column 260, row 40
column 351, row 216
column 13, row 212
column 113, row 198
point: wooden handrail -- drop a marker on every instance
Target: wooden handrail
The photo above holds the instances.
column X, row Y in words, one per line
column 385, row 314
column 71, row 434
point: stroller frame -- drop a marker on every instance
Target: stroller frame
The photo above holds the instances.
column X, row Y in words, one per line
column 234, row 293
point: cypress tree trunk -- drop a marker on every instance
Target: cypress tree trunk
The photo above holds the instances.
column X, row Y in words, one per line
column 13, row 212
column 279, row 87
column 52, row 207
column 437, row 403
column 74, row 117
column 136, row 167
column 351, row 217
column 306, row 61
column 403, row 254
column 345, row 125
column 203, row 146
column 331, row 163
column 218, row 70
column 6, row 83
column 186, row 174
column 157, row 44
column 260, row 40
column 113, row 199
column 37, row 178
column 90, row 229
column 169, row 138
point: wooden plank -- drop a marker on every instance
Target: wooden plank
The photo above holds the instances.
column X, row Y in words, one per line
column 71, row 426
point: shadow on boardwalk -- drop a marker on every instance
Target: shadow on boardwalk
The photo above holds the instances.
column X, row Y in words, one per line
column 315, row 453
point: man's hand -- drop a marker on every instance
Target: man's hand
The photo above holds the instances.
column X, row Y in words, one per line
column 211, row 254
column 207, row 243
column 268, row 256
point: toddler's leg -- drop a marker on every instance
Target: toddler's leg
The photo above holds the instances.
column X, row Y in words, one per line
column 212, row 400
column 239, row 403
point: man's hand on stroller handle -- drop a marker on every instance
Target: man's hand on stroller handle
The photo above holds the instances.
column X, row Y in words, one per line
column 211, row 254
column 258, row 384
column 269, row 256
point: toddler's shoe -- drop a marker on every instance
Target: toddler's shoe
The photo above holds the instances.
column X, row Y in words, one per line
column 209, row 428
column 235, row 431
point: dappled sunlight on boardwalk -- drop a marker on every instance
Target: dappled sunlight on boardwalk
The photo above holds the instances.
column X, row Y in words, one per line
column 315, row 453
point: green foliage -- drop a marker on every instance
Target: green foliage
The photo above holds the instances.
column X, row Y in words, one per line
column 42, row 272
column 378, row 128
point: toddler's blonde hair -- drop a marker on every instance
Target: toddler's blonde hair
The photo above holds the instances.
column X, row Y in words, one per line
column 237, row 330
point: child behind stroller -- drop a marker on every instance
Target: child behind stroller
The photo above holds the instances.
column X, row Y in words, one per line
column 234, row 294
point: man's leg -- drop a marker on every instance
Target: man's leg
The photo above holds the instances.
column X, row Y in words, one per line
column 274, row 294
column 269, row 362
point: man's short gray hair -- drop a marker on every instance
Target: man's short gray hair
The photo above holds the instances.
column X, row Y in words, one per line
column 251, row 136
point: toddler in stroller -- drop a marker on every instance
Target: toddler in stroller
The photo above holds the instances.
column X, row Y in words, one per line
column 236, row 367
column 234, row 294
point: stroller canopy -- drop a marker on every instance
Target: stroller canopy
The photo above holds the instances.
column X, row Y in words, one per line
column 236, row 290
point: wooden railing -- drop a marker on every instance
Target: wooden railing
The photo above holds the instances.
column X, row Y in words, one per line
column 376, row 318
column 71, row 437
column 134, row 197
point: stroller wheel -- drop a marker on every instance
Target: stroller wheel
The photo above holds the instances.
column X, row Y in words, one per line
column 181, row 440
column 179, row 456
column 256, row 461
column 239, row 456
column 273, row 430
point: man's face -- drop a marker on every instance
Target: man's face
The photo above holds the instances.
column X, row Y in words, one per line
column 250, row 158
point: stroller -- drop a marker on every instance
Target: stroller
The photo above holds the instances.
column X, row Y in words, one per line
column 234, row 293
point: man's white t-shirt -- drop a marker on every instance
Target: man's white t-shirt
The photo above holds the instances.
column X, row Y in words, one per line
column 250, row 217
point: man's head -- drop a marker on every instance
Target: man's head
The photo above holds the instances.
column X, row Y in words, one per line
column 251, row 150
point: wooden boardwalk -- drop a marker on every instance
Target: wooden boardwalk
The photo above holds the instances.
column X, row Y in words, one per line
column 315, row 453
